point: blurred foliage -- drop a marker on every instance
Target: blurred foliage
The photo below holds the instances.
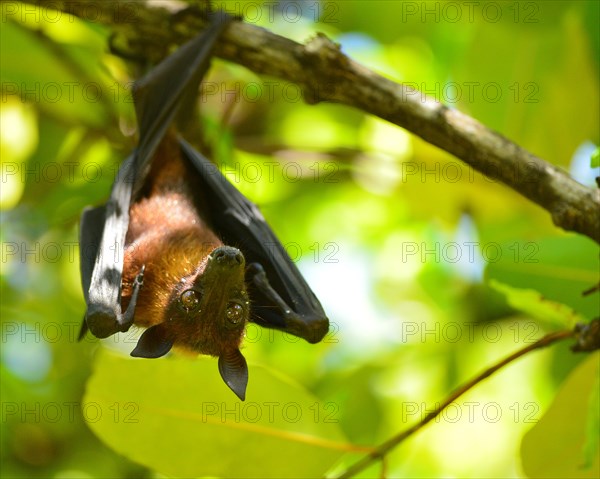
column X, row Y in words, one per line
column 553, row 448
column 277, row 434
column 397, row 238
column 533, row 303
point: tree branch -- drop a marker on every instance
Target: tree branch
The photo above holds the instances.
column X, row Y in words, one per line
column 325, row 74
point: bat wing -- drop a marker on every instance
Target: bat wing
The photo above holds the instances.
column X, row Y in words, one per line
column 281, row 297
column 159, row 94
column 157, row 97
column 103, row 232
column 91, row 229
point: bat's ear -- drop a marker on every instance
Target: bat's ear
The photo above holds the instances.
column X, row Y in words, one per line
column 234, row 371
column 154, row 343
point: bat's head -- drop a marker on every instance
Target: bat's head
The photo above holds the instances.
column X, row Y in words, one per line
column 207, row 313
column 212, row 305
column 219, row 301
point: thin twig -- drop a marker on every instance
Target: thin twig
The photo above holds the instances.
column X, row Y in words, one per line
column 591, row 290
column 384, row 448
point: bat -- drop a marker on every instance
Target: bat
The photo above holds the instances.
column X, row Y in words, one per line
column 178, row 249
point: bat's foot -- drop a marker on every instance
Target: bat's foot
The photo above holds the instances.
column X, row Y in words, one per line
column 309, row 326
column 316, row 330
column 104, row 324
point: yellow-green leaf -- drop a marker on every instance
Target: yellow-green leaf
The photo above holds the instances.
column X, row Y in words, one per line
column 595, row 159
column 560, row 268
column 533, row 303
column 176, row 416
column 555, row 446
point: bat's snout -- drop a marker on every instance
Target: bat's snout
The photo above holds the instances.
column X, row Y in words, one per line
column 228, row 256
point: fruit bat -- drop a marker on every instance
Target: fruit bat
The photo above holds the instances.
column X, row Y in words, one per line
column 178, row 249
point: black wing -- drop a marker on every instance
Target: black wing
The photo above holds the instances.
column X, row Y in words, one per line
column 90, row 233
column 157, row 97
column 102, row 238
column 159, row 94
column 281, row 298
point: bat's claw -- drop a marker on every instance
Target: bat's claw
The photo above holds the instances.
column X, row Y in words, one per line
column 128, row 317
column 104, row 322
column 139, row 279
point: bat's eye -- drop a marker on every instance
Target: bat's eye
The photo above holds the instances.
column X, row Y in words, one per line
column 189, row 300
column 234, row 314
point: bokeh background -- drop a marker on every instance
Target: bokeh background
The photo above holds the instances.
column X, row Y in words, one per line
column 399, row 240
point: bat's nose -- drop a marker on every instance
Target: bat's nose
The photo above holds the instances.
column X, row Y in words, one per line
column 228, row 255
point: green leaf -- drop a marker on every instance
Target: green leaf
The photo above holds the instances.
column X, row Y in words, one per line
column 592, row 439
column 533, row 303
column 595, row 159
column 59, row 87
column 554, row 447
column 175, row 415
column 560, row 268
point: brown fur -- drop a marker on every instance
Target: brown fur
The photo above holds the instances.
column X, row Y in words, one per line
column 167, row 235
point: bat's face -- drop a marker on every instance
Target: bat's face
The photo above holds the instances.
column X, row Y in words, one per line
column 209, row 310
column 207, row 313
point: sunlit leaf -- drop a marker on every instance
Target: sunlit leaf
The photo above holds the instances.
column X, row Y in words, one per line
column 554, row 447
column 560, row 269
column 533, row 303
column 176, row 416
column 70, row 85
column 592, row 438
column 595, row 159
